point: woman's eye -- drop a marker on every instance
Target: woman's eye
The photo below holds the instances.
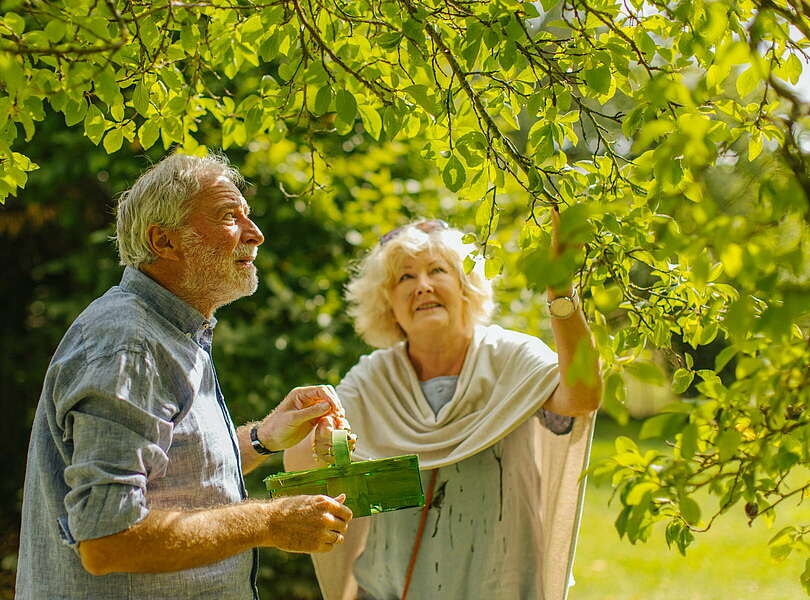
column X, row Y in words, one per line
column 439, row 270
column 405, row 276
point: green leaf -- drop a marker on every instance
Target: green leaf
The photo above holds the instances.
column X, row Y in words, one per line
column 598, row 79
column 646, row 371
column 723, row 358
column 55, row 30
column 14, row 22
column 94, row 124
column 113, row 140
column 486, row 216
column 472, row 146
column 148, row 133
column 189, row 37
column 624, row 444
column 639, row 491
column 389, row 40
column 689, row 439
column 793, row 69
column 663, row 426
column 106, row 87
column 322, row 100
column 494, row 262
column 727, row 443
column 75, row 111
column 681, row 380
column 781, row 544
column 453, row 174
column 690, row 510
column 140, row 99
column 371, row 120
column 805, row 577
column 613, row 398
column 606, row 299
column 420, row 94
column 748, row 81
column 541, row 138
column 346, row 106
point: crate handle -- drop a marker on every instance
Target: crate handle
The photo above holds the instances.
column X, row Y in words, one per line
column 340, row 447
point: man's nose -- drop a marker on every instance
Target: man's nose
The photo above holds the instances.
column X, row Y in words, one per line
column 252, row 234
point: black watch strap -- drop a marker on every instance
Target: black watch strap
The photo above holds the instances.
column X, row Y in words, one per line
column 254, row 441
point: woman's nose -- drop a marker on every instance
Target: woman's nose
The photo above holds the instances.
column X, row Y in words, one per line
column 423, row 284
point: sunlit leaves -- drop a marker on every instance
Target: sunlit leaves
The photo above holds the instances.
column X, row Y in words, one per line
column 664, row 133
column 454, row 174
column 346, row 106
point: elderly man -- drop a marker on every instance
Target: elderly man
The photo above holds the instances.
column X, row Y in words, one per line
column 134, row 484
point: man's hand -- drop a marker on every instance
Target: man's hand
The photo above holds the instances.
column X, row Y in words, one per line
column 298, row 413
column 307, row 523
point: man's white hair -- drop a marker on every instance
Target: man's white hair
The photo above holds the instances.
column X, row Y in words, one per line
column 161, row 196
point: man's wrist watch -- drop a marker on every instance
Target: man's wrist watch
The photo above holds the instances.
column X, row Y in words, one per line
column 563, row 307
column 256, row 443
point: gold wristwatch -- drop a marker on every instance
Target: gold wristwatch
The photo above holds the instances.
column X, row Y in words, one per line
column 563, row 307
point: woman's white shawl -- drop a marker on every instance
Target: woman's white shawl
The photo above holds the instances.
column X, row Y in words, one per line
column 506, row 378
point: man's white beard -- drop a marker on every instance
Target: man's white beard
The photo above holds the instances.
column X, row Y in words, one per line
column 215, row 278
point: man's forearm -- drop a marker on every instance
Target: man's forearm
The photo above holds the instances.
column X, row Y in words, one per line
column 169, row 540
column 175, row 540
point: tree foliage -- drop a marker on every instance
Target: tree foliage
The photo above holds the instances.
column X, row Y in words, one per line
column 668, row 134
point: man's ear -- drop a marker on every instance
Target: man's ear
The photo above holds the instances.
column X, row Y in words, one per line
column 163, row 242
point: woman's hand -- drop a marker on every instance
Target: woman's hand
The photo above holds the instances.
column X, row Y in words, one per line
column 322, row 438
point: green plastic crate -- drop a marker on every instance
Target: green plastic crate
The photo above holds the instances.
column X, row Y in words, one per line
column 371, row 486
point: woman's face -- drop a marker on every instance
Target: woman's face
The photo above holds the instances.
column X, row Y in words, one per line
column 426, row 297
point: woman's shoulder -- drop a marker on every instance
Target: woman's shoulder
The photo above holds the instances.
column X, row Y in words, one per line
column 497, row 335
column 506, row 342
column 380, row 359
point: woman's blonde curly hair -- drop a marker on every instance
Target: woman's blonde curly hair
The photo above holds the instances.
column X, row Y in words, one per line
column 367, row 292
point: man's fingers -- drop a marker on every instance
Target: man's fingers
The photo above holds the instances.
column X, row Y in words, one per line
column 310, row 412
column 304, row 396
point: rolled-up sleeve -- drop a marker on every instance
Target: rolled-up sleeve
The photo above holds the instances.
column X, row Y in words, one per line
column 117, row 427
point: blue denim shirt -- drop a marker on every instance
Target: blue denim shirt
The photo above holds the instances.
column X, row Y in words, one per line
column 130, row 418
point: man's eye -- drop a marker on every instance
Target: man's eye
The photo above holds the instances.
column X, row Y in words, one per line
column 229, row 216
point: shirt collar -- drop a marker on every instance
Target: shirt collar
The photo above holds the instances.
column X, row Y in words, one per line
column 178, row 312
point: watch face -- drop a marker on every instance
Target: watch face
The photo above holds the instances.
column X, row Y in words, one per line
column 561, row 308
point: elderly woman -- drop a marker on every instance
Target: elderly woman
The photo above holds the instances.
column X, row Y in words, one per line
column 502, row 432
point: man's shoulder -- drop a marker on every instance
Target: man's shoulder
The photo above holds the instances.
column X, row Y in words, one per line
column 118, row 320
